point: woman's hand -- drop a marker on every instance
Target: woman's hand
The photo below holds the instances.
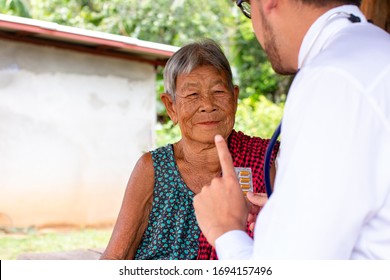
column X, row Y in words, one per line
column 257, row 201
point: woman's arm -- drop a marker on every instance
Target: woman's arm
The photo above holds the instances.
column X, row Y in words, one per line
column 134, row 213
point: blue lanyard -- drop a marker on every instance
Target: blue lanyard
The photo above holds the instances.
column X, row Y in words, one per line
column 267, row 161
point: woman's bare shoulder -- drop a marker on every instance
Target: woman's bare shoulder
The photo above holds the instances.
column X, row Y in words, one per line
column 143, row 173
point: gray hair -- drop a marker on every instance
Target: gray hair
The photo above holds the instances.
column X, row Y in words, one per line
column 191, row 56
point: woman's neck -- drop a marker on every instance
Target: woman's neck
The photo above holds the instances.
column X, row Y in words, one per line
column 202, row 156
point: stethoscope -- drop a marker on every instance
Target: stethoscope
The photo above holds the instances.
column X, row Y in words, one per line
column 267, row 161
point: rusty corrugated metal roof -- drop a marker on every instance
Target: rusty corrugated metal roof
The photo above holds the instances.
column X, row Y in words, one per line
column 53, row 34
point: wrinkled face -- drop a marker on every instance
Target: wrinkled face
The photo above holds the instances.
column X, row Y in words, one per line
column 204, row 105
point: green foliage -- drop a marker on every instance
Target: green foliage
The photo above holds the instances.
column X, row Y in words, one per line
column 167, row 133
column 258, row 117
column 15, row 8
column 77, row 13
column 163, row 21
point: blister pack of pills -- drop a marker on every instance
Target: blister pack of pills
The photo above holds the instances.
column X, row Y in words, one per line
column 244, row 176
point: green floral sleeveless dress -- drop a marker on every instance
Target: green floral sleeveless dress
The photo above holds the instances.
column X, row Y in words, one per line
column 172, row 232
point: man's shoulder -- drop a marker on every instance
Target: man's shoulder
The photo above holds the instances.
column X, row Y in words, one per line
column 361, row 52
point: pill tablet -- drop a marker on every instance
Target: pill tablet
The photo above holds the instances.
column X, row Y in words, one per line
column 244, row 176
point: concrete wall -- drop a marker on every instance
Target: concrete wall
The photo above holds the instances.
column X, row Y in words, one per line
column 72, row 126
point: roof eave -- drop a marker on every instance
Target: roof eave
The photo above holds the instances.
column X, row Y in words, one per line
column 53, row 34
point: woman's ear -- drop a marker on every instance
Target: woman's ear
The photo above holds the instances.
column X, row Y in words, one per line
column 169, row 104
column 236, row 92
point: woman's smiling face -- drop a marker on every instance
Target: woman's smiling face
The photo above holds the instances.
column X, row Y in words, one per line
column 204, row 105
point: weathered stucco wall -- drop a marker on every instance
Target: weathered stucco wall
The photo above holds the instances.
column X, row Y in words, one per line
column 72, row 126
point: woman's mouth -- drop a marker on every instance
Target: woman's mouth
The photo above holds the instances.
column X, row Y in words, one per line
column 209, row 124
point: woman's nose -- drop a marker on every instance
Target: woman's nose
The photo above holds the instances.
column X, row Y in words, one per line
column 207, row 104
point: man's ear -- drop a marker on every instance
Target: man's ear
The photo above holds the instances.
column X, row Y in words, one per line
column 269, row 5
column 166, row 98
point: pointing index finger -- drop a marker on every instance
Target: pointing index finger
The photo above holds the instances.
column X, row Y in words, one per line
column 224, row 157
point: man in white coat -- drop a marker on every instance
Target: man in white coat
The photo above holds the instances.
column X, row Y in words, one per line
column 331, row 197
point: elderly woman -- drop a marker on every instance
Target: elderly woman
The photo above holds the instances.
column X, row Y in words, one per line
column 157, row 219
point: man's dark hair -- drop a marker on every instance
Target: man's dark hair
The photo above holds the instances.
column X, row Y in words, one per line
column 321, row 3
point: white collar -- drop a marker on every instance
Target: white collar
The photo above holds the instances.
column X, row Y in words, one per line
column 322, row 29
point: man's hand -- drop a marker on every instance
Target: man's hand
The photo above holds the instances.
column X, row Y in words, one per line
column 221, row 206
